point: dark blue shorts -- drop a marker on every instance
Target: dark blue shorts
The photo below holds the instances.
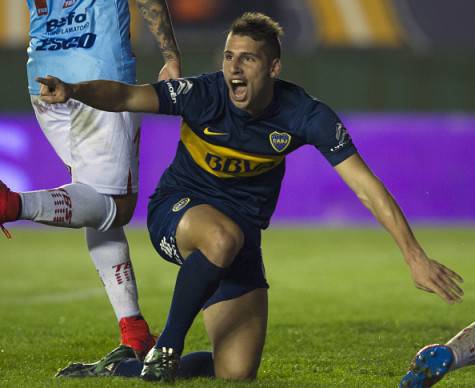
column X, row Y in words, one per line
column 247, row 272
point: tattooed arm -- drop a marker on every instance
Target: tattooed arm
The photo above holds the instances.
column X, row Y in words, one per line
column 155, row 12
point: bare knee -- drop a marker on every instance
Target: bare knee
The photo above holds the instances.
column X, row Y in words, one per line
column 125, row 209
column 206, row 229
column 222, row 244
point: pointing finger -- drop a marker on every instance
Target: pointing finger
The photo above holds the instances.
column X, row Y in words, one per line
column 45, row 81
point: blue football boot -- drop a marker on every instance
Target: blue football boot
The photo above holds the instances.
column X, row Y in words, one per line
column 428, row 367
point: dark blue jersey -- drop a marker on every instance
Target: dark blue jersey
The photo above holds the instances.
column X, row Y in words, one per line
column 237, row 159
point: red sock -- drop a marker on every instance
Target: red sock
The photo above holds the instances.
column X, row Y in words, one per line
column 11, row 206
column 134, row 332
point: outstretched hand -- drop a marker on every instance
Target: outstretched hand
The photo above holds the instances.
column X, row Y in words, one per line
column 432, row 276
column 170, row 70
column 53, row 90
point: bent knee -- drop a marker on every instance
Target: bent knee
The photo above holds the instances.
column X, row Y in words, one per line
column 125, row 209
column 237, row 374
column 223, row 244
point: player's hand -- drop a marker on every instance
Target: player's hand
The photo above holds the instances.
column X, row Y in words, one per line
column 53, row 90
column 170, row 70
column 432, row 276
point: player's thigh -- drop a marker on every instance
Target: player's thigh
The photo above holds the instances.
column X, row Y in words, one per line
column 237, row 330
column 55, row 122
column 104, row 149
column 164, row 213
column 205, row 228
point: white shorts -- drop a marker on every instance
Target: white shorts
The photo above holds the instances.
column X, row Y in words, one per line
column 100, row 148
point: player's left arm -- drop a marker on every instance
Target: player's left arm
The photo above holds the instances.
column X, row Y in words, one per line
column 156, row 13
column 428, row 274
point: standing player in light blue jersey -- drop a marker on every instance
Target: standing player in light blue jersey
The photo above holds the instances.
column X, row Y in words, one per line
column 81, row 40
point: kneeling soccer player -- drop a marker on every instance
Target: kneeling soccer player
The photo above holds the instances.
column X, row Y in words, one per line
column 222, row 188
column 433, row 362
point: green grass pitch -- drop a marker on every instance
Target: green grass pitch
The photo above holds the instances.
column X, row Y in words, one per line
column 343, row 309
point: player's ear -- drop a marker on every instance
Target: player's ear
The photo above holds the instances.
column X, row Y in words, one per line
column 276, row 67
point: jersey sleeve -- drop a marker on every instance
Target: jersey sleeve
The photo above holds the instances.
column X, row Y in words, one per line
column 325, row 131
column 192, row 98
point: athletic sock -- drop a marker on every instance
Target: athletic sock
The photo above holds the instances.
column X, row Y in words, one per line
column 197, row 280
column 197, row 364
column 109, row 251
column 72, row 206
column 462, row 346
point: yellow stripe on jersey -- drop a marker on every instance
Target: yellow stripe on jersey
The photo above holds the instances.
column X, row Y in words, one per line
column 225, row 162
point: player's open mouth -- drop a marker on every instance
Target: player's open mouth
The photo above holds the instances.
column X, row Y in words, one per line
column 239, row 89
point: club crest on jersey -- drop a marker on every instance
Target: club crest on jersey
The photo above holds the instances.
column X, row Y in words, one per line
column 279, row 140
column 68, row 3
column 180, row 204
column 41, row 7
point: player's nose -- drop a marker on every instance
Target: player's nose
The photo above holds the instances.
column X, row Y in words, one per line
column 236, row 66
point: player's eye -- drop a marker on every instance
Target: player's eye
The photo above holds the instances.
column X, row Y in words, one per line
column 228, row 57
column 249, row 58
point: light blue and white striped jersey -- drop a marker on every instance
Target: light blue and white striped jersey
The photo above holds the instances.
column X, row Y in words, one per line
column 79, row 40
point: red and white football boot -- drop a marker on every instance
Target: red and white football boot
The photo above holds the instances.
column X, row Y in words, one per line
column 10, row 205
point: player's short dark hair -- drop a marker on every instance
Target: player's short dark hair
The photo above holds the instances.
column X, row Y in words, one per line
column 259, row 27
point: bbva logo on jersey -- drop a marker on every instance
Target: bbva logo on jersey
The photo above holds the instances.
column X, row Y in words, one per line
column 279, row 140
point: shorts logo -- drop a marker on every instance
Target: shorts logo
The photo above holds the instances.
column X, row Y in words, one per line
column 279, row 140
column 180, row 204
column 41, row 7
column 170, row 250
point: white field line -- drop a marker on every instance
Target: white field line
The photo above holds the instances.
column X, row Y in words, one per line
column 61, row 297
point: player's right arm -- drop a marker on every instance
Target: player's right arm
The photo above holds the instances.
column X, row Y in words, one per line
column 111, row 96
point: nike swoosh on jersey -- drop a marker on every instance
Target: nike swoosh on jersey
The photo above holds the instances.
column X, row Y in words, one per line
column 207, row 131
